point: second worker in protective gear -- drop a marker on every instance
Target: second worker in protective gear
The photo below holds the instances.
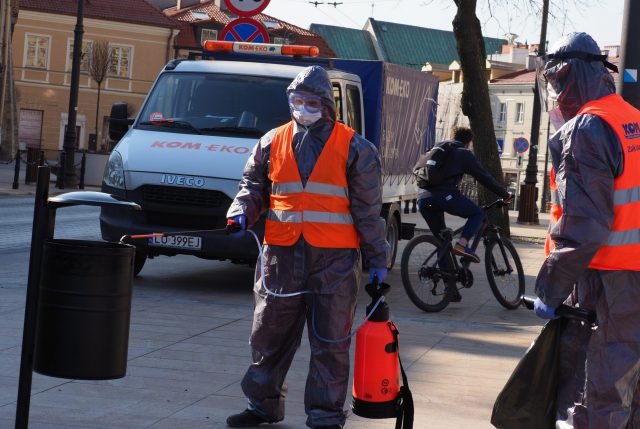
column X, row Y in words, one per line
column 320, row 185
column 594, row 265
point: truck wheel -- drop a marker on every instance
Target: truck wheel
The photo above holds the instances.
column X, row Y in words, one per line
column 138, row 261
column 393, row 234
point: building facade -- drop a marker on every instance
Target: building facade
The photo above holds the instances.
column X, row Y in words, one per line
column 139, row 39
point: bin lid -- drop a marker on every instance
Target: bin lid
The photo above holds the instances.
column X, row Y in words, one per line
column 90, row 198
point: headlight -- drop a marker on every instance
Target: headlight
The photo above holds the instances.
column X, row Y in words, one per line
column 114, row 172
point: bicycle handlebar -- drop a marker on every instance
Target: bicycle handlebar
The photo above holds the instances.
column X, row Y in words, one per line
column 566, row 311
column 497, row 203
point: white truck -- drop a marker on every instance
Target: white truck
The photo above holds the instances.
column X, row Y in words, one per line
column 183, row 155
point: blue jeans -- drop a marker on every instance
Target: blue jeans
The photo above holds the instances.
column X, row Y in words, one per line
column 433, row 208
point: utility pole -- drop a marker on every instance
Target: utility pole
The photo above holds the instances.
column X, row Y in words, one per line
column 527, row 210
column 69, row 144
column 628, row 86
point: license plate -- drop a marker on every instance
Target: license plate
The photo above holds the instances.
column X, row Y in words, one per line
column 177, row 241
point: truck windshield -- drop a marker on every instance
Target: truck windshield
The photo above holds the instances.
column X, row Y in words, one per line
column 216, row 104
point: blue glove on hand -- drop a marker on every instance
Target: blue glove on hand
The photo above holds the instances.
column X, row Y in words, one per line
column 544, row 311
column 381, row 273
column 240, row 222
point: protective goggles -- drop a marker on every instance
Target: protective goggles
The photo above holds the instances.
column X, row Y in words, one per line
column 310, row 103
column 552, row 63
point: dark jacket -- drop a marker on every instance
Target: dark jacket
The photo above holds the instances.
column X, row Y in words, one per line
column 460, row 162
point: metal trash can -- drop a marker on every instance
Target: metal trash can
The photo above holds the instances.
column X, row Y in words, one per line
column 84, row 309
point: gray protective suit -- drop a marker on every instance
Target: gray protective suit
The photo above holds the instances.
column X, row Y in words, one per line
column 600, row 368
column 332, row 274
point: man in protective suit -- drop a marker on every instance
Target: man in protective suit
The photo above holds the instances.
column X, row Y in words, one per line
column 595, row 264
column 320, row 185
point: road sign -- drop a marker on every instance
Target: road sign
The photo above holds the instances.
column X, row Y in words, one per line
column 246, row 7
column 244, row 30
column 521, row 144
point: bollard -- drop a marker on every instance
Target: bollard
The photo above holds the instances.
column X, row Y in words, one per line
column 16, row 171
column 406, row 206
column 414, row 206
column 83, row 166
column 60, row 176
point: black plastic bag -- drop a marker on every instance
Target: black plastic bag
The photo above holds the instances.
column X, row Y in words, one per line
column 528, row 399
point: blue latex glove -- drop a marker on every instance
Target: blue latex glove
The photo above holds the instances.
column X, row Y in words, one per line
column 381, row 273
column 544, row 311
column 241, row 221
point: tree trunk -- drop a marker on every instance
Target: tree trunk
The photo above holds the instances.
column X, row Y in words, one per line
column 475, row 102
column 98, row 110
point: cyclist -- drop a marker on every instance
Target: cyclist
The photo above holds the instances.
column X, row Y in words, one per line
column 435, row 200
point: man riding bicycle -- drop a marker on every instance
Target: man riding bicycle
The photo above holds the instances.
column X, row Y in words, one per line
column 436, row 199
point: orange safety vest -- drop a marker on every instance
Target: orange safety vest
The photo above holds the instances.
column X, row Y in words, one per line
column 554, row 213
column 320, row 210
column 620, row 252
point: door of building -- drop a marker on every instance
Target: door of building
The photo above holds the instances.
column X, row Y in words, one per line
column 30, row 128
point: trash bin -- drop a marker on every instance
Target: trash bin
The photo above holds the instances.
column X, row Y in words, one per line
column 84, row 309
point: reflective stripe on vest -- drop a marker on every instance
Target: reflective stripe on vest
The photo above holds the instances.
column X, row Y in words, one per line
column 623, row 244
column 554, row 213
column 320, row 210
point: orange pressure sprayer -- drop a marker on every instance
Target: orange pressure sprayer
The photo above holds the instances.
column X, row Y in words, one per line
column 377, row 393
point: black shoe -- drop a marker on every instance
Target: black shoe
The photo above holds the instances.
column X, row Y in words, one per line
column 453, row 295
column 330, row 427
column 246, row 419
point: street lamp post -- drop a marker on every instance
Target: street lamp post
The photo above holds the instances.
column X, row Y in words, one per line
column 69, row 144
column 527, row 210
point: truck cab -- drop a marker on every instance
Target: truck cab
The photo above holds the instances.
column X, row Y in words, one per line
column 184, row 154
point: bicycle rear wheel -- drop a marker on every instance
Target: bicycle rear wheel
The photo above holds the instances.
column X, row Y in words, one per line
column 421, row 276
column 504, row 272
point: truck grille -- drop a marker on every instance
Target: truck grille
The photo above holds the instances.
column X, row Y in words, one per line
column 183, row 196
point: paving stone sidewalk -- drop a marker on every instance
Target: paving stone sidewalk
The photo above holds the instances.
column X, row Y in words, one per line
column 188, row 349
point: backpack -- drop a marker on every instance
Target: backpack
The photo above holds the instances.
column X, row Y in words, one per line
column 429, row 171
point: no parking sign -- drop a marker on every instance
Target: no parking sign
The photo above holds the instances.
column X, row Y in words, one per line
column 244, row 30
column 521, row 144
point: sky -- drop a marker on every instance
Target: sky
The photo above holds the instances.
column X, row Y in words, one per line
column 602, row 19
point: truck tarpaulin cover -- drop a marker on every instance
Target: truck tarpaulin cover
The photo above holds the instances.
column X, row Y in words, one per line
column 403, row 124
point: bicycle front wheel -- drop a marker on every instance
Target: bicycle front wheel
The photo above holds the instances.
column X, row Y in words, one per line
column 421, row 275
column 504, row 272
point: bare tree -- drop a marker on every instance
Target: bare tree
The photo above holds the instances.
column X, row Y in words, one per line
column 99, row 64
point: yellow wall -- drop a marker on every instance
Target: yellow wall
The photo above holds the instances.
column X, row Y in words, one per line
column 48, row 90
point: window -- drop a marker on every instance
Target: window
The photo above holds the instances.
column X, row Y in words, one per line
column 353, row 108
column 85, row 55
column 120, row 61
column 520, row 113
column 502, row 115
column 280, row 40
column 223, row 101
column 36, row 51
column 500, row 142
column 337, row 97
column 208, row 34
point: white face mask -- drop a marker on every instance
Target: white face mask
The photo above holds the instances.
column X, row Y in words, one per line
column 305, row 118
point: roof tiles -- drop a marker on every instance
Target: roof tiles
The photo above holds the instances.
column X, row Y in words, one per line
column 131, row 11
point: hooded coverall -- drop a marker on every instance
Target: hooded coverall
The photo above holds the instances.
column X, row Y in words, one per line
column 600, row 367
column 332, row 274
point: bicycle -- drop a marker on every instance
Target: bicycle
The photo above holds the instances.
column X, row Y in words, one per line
column 431, row 271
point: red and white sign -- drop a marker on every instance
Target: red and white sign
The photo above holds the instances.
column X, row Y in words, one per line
column 246, row 7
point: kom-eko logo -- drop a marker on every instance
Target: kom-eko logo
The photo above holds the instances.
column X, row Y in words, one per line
column 631, row 130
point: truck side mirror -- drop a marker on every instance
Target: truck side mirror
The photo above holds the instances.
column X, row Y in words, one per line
column 119, row 121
